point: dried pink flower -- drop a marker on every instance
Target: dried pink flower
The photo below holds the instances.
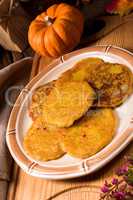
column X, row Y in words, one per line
column 115, row 181
column 122, row 170
column 105, row 189
column 119, row 195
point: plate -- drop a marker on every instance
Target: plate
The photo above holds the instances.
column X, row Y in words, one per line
column 68, row 167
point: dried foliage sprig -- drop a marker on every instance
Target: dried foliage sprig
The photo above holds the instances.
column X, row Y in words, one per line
column 121, row 187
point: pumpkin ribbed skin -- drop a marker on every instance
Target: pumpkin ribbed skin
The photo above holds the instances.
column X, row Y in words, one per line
column 56, row 31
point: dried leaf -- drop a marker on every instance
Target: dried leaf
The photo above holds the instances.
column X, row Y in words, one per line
column 13, row 27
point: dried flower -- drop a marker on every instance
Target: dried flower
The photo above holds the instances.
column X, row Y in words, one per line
column 115, row 181
column 121, row 7
column 105, row 189
column 119, row 195
column 122, row 170
column 120, row 188
column 130, row 159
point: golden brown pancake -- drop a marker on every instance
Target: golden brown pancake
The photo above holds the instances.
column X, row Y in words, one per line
column 67, row 103
column 113, row 83
column 38, row 98
column 90, row 134
column 41, row 144
column 80, row 71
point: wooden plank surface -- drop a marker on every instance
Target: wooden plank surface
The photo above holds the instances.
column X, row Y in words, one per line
column 25, row 187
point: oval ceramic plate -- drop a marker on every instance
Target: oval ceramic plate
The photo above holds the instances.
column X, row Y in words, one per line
column 67, row 166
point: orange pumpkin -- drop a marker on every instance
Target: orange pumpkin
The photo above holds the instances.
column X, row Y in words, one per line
column 56, row 31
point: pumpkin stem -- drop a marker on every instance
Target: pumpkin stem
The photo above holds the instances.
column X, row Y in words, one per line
column 48, row 20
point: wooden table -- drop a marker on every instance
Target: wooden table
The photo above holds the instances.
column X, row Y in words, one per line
column 25, row 187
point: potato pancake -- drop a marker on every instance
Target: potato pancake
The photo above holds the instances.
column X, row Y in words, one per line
column 41, row 144
column 67, row 103
column 80, row 71
column 90, row 134
column 37, row 100
column 113, row 83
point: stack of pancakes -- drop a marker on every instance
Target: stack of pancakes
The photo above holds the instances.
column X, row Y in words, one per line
column 75, row 113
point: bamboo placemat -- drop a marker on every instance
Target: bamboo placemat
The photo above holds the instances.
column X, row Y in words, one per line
column 26, row 187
